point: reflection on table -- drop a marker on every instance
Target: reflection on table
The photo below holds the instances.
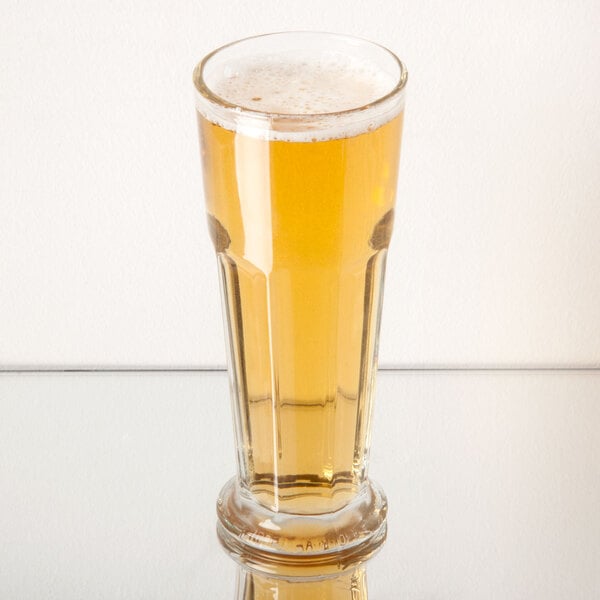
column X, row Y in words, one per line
column 108, row 484
column 348, row 585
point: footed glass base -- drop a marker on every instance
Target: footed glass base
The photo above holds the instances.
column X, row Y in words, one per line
column 291, row 544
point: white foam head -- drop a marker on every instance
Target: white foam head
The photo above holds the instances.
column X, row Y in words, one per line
column 300, row 90
column 302, row 85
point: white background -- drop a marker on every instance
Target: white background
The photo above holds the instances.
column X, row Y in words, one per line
column 104, row 255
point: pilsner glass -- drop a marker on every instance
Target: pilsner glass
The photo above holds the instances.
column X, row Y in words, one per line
column 300, row 142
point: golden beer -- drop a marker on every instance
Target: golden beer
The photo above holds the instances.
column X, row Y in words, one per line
column 300, row 210
column 301, row 231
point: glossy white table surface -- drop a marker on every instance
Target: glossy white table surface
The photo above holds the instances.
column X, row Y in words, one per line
column 108, row 483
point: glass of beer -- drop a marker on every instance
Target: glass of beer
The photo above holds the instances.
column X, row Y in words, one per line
column 300, row 142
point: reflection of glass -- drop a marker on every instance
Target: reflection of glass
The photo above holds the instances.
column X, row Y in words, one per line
column 349, row 585
column 300, row 138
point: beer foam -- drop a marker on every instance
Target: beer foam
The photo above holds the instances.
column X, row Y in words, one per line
column 300, row 98
column 302, row 87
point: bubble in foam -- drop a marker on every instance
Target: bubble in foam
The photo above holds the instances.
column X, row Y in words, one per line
column 315, row 87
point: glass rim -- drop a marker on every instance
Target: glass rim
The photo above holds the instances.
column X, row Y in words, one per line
column 208, row 95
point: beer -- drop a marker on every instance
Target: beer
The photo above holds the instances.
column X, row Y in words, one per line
column 300, row 137
column 301, row 220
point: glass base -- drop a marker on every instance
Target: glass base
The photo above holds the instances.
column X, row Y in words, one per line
column 291, row 545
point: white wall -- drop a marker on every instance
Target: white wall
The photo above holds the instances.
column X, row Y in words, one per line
column 104, row 254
